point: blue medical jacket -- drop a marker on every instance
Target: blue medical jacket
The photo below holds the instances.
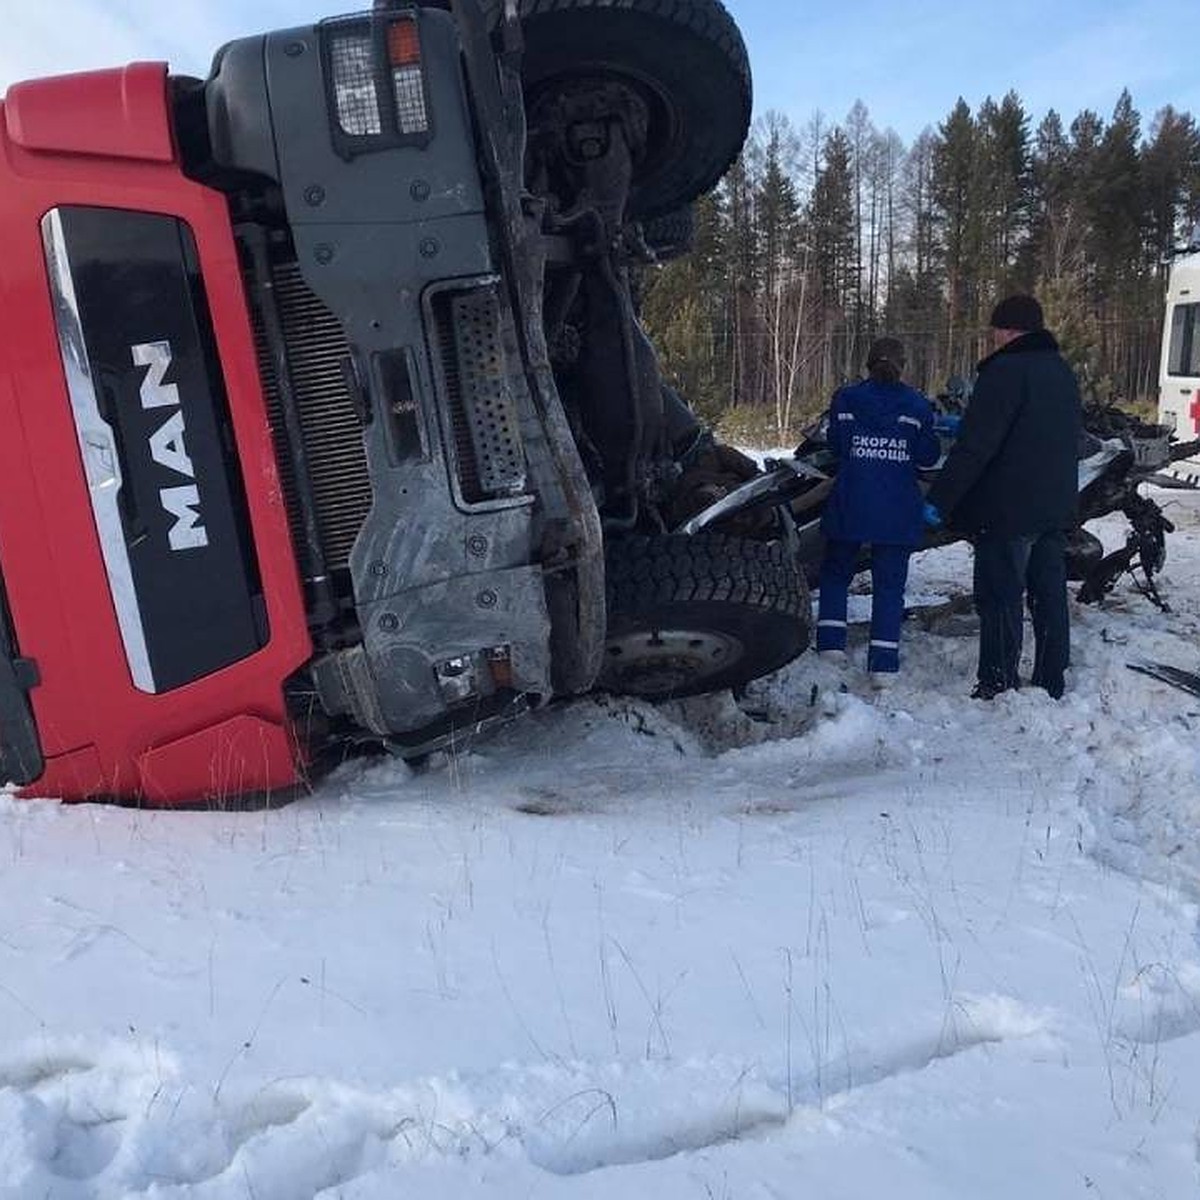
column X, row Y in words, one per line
column 881, row 433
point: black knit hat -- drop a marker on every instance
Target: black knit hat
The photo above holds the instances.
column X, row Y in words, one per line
column 886, row 349
column 1018, row 312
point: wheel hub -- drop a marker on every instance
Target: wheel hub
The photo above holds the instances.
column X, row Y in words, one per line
column 660, row 662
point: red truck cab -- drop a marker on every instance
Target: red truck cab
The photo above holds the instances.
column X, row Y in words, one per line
column 153, row 607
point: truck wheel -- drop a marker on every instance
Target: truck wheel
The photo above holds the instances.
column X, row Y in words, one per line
column 686, row 58
column 700, row 613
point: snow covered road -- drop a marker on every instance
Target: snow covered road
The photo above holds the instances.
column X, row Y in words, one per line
column 849, row 946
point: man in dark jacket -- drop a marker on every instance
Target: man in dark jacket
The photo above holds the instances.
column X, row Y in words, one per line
column 1011, row 481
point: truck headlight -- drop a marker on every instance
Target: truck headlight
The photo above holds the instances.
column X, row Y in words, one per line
column 376, row 81
column 356, row 101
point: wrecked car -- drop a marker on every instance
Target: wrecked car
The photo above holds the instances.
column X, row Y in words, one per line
column 1118, row 454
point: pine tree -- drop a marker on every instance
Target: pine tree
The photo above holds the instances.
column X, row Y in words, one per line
column 783, row 290
column 814, row 242
column 1115, row 197
column 889, row 160
column 1116, row 203
column 1005, row 138
column 831, row 222
column 861, row 135
column 686, row 305
column 916, row 310
column 741, row 267
column 776, row 207
column 955, row 195
column 831, row 235
column 1170, row 170
column 1055, row 229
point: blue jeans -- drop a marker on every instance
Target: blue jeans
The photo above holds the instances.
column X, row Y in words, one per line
column 889, row 574
column 1009, row 570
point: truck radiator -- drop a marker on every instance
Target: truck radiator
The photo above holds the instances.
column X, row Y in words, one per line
column 316, row 358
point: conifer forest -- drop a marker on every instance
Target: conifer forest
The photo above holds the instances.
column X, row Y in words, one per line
column 824, row 236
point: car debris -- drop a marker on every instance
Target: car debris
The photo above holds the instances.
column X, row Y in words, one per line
column 1185, row 681
column 1118, row 454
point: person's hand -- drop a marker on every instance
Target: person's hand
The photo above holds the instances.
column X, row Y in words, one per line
column 933, row 516
column 947, row 424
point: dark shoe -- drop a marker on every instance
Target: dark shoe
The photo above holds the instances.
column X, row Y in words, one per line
column 1055, row 691
column 988, row 691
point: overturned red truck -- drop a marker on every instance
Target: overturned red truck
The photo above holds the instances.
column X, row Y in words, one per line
column 329, row 419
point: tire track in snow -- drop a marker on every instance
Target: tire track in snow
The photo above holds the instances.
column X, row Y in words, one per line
column 120, row 1120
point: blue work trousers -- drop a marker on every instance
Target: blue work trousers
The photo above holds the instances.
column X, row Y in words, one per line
column 889, row 574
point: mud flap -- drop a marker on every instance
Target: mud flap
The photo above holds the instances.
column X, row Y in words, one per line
column 21, row 759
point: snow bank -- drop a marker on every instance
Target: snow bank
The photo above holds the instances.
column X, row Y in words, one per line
column 823, row 943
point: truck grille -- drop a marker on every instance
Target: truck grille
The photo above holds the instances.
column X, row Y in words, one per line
column 488, row 449
column 316, row 358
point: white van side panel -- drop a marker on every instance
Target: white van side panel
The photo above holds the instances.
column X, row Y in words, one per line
column 1179, row 371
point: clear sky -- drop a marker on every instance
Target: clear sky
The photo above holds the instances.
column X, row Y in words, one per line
column 908, row 60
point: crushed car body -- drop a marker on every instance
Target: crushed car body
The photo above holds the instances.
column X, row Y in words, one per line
column 1117, row 455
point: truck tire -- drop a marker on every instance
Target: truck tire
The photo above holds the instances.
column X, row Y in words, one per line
column 700, row 613
column 685, row 57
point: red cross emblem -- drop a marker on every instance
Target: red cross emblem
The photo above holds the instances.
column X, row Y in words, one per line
column 1194, row 412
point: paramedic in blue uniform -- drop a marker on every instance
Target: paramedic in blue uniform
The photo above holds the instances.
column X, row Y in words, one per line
column 882, row 430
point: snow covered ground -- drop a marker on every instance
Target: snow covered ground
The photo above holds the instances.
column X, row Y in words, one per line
column 909, row 946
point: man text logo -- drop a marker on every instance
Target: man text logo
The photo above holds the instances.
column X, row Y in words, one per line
column 167, row 447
